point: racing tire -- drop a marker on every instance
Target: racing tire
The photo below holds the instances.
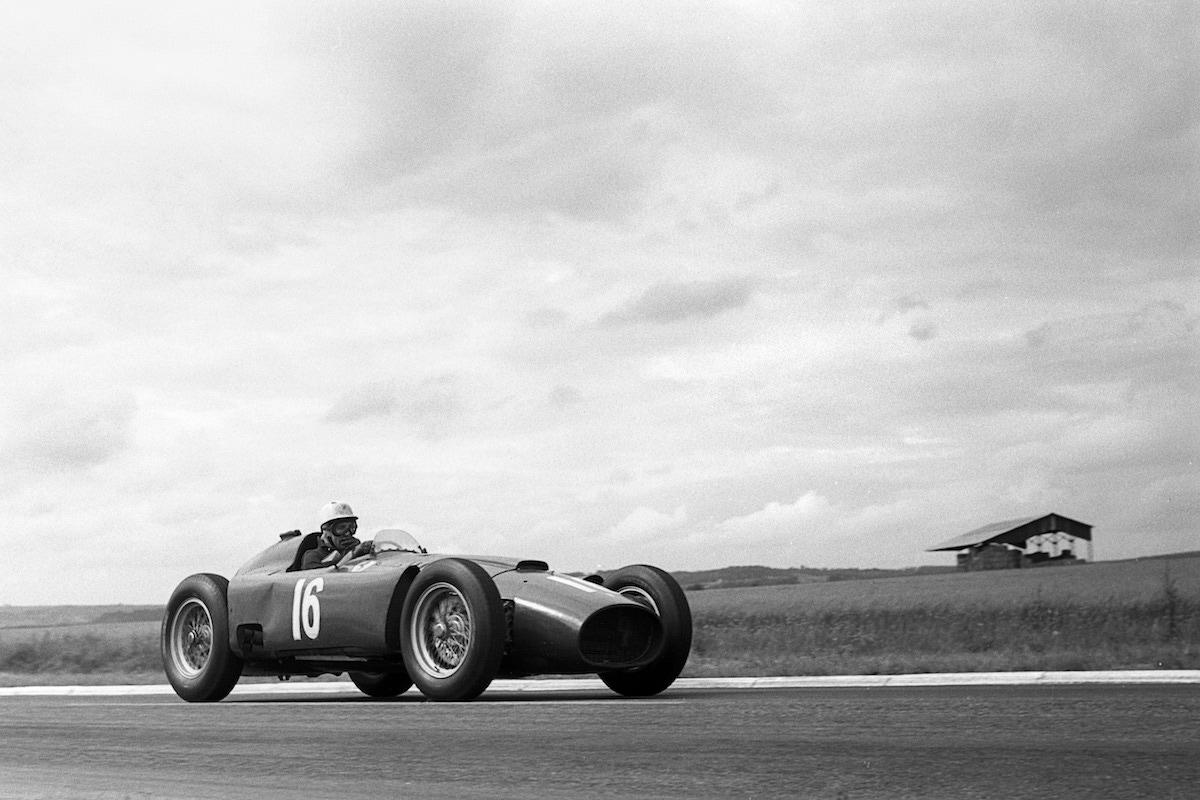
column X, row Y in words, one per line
column 662, row 594
column 382, row 684
column 196, row 656
column 452, row 630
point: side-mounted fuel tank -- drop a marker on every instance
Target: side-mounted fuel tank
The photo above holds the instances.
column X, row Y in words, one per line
column 278, row 611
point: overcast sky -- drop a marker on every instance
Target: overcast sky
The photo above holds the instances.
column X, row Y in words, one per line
column 692, row 284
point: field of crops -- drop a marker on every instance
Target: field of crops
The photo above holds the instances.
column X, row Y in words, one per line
column 1103, row 583
column 1110, row 615
column 1118, row 615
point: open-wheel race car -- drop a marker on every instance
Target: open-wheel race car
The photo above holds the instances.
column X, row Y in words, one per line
column 399, row 615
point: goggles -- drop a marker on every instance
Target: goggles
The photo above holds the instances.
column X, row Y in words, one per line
column 343, row 528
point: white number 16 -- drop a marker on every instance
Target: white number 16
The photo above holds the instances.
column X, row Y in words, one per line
column 306, row 608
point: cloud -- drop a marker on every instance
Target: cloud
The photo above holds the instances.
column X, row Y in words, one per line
column 434, row 405
column 909, row 303
column 901, row 306
column 1152, row 344
column 779, row 521
column 368, row 400
column 596, row 171
column 923, row 331
column 430, row 407
column 505, row 108
column 565, row 396
column 648, row 526
column 671, row 302
column 63, row 432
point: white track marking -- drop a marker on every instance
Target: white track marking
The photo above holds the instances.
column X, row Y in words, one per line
column 413, row 700
column 1163, row 676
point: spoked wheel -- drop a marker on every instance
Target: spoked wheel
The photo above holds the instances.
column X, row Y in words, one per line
column 195, row 640
column 382, row 684
column 443, row 633
column 452, row 630
column 662, row 594
column 191, row 638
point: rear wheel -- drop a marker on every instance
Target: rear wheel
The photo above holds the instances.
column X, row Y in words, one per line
column 195, row 640
column 382, row 684
column 662, row 594
column 452, row 630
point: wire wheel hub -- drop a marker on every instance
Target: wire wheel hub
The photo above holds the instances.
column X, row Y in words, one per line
column 441, row 629
column 192, row 637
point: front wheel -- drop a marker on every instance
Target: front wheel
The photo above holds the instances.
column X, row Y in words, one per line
column 662, row 594
column 382, row 684
column 195, row 640
column 452, row 630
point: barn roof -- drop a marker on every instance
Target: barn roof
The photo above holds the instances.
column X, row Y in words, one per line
column 1016, row 532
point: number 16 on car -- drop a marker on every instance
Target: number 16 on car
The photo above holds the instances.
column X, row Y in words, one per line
column 306, row 608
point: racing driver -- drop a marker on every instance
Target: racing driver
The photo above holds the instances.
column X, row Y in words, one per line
column 338, row 526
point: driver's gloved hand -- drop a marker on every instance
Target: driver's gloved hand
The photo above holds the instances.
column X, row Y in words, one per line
column 363, row 549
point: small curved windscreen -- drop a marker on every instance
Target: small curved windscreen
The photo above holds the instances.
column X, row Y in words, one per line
column 396, row 539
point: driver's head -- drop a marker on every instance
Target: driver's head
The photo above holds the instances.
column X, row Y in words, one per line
column 338, row 525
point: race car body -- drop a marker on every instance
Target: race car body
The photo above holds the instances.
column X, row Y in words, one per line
column 399, row 615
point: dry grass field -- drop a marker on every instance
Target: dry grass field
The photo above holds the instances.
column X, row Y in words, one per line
column 1109, row 615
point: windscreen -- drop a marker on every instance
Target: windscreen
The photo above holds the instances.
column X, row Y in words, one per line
column 396, row 539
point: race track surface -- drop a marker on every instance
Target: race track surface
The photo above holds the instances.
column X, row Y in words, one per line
column 1019, row 741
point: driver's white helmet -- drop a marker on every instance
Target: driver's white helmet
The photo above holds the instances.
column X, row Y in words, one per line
column 334, row 510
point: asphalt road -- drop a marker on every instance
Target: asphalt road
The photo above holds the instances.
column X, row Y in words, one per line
column 949, row 742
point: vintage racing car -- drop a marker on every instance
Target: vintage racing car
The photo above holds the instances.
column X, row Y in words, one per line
column 399, row 615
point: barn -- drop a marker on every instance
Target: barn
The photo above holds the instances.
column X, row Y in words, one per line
column 1029, row 542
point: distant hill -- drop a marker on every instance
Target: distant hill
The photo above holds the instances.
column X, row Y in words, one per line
column 729, row 577
column 15, row 617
